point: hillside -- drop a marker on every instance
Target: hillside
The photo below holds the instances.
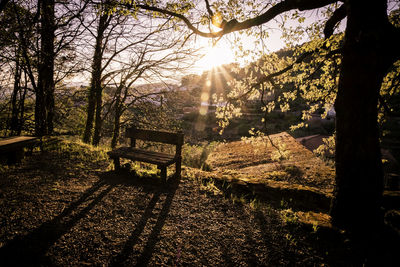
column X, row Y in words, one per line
column 259, row 161
column 285, row 172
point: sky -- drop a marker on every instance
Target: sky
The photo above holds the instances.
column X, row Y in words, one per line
column 222, row 52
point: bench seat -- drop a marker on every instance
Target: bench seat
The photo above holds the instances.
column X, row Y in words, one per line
column 135, row 154
column 162, row 160
column 13, row 147
column 13, row 143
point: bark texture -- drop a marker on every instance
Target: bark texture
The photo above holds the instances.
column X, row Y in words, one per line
column 44, row 108
column 15, row 123
column 359, row 176
column 117, row 118
column 98, row 118
column 95, row 84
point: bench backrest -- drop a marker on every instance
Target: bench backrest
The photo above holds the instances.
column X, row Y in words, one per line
column 154, row 136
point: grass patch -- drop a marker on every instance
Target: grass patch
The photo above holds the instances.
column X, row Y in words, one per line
column 196, row 156
column 76, row 149
column 288, row 216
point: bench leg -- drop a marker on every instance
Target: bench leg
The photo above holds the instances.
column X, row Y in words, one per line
column 163, row 174
column 15, row 156
column 178, row 167
column 117, row 165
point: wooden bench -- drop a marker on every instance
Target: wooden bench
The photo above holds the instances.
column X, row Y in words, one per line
column 162, row 160
column 13, row 147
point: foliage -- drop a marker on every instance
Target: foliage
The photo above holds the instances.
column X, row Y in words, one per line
column 260, row 142
column 69, row 111
column 309, row 87
column 327, row 150
column 196, row 155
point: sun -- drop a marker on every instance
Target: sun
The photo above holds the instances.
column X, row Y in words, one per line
column 215, row 56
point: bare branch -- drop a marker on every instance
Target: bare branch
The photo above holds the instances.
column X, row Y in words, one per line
column 282, row 71
column 209, row 8
column 74, row 16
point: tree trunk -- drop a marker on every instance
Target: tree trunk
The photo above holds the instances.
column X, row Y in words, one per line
column 90, row 113
column 117, row 118
column 40, row 111
column 22, row 106
column 98, row 122
column 45, row 92
column 50, row 108
column 14, row 122
column 359, row 176
column 48, row 37
column 95, row 84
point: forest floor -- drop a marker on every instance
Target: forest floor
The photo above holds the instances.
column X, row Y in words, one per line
column 66, row 207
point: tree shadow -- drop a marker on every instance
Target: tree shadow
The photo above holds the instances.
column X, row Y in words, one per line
column 157, row 188
column 250, row 256
column 30, row 249
column 269, row 237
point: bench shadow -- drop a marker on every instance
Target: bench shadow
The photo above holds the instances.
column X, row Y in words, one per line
column 130, row 179
column 150, row 185
column 30, row 249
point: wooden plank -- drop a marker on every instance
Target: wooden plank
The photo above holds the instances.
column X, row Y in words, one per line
column 143, row 155
column 136, row 157
column 155, row 136
column 153, row 153
column 13, row 143
column 144, row 152
column 151, row 157
column 146, row 157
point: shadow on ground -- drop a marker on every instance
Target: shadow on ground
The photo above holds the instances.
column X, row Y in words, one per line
column 35, row 244
column 30, row 249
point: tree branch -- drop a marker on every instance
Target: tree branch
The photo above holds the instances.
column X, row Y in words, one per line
column 282, row 71
column 209, row 8
column 3, row 4
column 337, row 16
column 234, row 25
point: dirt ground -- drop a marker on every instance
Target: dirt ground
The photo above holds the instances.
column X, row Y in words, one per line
column 66, row 207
